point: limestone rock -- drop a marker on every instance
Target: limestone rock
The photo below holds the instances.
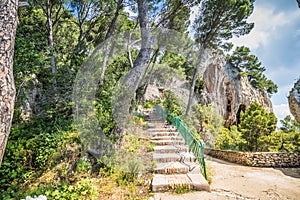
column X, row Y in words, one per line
column 294, row 101
column 226, row 89
column 152, row 93
column 32, row 94
column 166, row 78
column 229, row 91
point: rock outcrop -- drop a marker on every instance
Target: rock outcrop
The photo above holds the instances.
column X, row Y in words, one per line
column 31, row 95
column 228, row 91
column 166, row 78
column 294, row 101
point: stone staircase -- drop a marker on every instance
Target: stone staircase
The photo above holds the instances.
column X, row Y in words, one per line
column 176, row 166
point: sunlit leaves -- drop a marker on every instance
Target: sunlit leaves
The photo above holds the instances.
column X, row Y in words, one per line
column 242, row 59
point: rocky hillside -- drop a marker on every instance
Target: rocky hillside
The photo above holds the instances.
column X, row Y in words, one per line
column 229, row 91
column 225, row 88
column 294, row 100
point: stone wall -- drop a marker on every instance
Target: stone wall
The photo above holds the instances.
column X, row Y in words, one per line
column 257, row 159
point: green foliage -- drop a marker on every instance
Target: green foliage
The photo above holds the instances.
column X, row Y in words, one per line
column 29, row 154
column 114, row 72
column 252, row 68
column 83, row 165
column 256, row 124
column 230, row 139
column 172, row 104
column 200, row 84
column 83, row 189
column 30, row 45
column 220, row 20
column 150, row 147
column 150, row 103
column 288, row 138
column 182, row 189
column 173, row 60
column 208, row 123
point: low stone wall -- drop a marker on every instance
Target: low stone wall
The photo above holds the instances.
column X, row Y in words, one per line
column 257, row 159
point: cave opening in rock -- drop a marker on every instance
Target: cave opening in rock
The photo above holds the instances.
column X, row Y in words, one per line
column 228, row 108
column 242, row 107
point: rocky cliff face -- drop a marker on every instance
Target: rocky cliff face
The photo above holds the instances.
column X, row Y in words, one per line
column 229, row 91
column 225, row 89
column 294, row 101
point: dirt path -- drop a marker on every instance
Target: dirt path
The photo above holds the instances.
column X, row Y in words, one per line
column 231, row 181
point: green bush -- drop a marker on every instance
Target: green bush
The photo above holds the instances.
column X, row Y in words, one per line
column 83, row 165
column 29, row 154
column 172, row 104
column 83, row 189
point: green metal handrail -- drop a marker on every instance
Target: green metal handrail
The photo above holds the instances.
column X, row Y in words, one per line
column 195, row 144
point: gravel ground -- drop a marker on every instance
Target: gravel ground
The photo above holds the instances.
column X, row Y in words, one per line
column 231, row 181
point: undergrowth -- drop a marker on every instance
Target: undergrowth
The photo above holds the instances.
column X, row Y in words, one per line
column 52, row 162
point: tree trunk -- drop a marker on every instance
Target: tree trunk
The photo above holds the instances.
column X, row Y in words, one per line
column 134, row 78
column 150, row 76
column 126, row 92
column 192, row 90
column 109, row 33
column 50, row 38
column 8, row 26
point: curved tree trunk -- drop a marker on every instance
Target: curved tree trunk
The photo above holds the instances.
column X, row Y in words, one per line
column 192, row 89
column 109, row 33
column 135, row 76
column 127, row 89
column 8, row 26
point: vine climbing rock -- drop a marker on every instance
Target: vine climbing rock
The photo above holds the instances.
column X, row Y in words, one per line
column 294, row 100
column 176, row 166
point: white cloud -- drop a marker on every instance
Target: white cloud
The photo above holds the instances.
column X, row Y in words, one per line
column 281, row 111
column 266, row 23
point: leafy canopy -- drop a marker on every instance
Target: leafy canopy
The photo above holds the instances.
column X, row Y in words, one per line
column 220, row 20
column 242, row 59
column 255, row 124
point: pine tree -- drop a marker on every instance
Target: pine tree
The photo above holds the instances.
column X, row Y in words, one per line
column 256, row 124
column 242, row 59
column 217, row 22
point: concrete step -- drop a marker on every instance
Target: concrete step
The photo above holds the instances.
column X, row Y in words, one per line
column 166, row 157
column 156, row 120
column 154, row 134
column 176, row 138
column 173, row 157
column 166, row 182
column 170, row 149
column 167, row 128
column 168, row 142
column 171, row 168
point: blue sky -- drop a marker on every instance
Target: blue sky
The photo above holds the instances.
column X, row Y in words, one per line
column 275, row 40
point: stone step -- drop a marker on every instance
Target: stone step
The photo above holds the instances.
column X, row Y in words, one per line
column 168, row 142
column 171, row 168
column 166, row 157
column 155, row 122
column 176, row 138
column 155, row 119
column 154, row 134
column 170, row 149
column 163, row 129
column 166, row 182
column 173, row 157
